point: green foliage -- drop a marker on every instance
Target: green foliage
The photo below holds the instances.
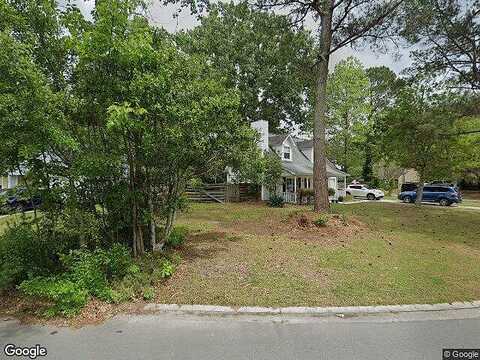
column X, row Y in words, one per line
column 85, row 273
column 272, row 172
column 94, row 270
column 148, row 294
column 321, row 221
column 415, row 133
column 166, row 269
column 331, row 192
column 276, row 201
column 155, row 268
column 349, row 109
column 444, row 35
column 177, row 236
column 260, row 55
column 127, row 123
column 26, row 252
column 67, row 296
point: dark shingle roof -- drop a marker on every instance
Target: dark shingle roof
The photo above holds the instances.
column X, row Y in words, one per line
column 305, row 144
column 276, row 140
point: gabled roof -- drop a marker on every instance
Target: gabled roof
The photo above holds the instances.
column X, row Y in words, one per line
column 301, row 165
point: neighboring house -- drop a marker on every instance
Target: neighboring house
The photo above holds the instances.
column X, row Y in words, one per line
column 9, row 181
column 297, row 163
column 392, row 172
column 408, row 176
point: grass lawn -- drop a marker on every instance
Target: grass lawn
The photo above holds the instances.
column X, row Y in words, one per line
column 5, row 220
column 249, row 254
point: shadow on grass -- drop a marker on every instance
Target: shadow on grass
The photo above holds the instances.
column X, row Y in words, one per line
column 206, row 245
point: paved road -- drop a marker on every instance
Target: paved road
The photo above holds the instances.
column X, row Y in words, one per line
column 391, row 201
column 403, row 336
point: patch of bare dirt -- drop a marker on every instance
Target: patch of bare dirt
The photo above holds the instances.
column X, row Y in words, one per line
column 29, row 311
column 301, row 225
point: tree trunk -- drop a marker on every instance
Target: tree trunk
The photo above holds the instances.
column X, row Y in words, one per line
column 153, row 230
column 137, row 241
column 319, row 148
column 29, row 192
column 169, row 224
column 419, row 198
column 345, row 144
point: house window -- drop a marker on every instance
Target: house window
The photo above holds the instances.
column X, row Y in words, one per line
column 288, row 185
column 287, row 152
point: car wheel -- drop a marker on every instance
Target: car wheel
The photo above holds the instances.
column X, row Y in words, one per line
column 407, row 199
column 444, row 202
column 371, row 197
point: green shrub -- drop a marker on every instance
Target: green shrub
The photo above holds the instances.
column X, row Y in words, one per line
column 331, row 192
column 321, row 221
column 80, row 226
column 148, row 294
column 67, row 296
column 87, row 270
column 93, row 270
column 340, row 198
column 177, row 236
column 26, row 252
column 276, row 201
column 155, row 268
column 166, row 268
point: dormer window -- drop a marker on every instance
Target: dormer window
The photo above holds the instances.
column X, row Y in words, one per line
column 287, row 152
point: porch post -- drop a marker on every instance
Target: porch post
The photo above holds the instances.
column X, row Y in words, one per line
column 295, row 189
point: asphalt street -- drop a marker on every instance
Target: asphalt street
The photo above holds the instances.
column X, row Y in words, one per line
column 171, row 336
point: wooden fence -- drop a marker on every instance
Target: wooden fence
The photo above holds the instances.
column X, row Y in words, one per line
column 222, row 193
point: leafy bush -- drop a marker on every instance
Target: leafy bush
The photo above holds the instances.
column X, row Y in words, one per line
column 321, row 221
column 81, row 226
column 306, row 195
column 92, row 270
column 340, row 198
column 26, row 252
column 86, row 273
column 166, row 269
column 155, row 268
column 67, row 296
column 331, row 192
column 177, row 236
column 276, row 201
column 148, row 293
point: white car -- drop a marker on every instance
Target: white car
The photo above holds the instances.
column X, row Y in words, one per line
column 358, row 190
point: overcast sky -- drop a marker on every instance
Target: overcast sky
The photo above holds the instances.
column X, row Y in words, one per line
column 161, row 15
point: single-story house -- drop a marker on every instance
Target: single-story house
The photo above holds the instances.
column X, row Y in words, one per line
column 297, row 163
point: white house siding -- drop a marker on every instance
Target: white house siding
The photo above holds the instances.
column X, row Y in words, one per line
column 10, row 181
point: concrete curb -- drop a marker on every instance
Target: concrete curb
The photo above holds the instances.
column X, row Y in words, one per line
column 307, row 311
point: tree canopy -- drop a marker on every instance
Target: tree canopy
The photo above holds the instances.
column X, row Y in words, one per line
column 348, row 114
column 446, row 34
column 115, row 135
column 260, row 55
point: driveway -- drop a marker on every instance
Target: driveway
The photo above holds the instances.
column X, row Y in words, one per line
column 171, row 336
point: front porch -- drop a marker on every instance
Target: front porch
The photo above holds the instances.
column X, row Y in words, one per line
column 292, row 186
